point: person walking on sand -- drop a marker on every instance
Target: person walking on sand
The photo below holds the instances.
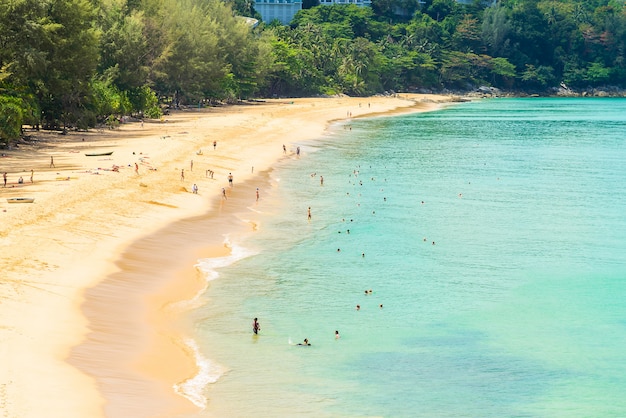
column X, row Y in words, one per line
column 5, row 179
column 136, row 169
column 214, row 144
column 32, row 174
column 191, row 166
column 284, row 149
column 182, row 174
column 230, row 179
column 256, row 327
column 224, row 193
column 52, row 162
column 257, row 194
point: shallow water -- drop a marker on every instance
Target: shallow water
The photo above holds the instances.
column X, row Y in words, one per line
column 492, row 232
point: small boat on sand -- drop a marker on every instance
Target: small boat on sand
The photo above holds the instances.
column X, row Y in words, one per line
column 20, row 199
column 98, row 154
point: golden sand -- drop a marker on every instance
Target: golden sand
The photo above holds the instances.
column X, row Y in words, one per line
column 97, row 222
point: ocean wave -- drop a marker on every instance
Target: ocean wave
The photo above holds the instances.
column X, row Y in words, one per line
column 208, row 372
column 208, row 267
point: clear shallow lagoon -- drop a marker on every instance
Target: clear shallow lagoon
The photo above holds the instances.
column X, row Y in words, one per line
column 517, row 309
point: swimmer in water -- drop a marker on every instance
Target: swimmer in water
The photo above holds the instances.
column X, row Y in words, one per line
column 305, row 342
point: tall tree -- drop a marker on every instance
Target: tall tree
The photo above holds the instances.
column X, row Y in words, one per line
column 71, row 50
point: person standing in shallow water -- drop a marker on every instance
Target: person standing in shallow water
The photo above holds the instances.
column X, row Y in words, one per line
column 255, row 326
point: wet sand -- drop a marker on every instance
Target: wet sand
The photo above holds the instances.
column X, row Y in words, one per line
column 92, row 271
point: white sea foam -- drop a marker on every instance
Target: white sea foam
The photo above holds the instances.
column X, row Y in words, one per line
column 208, row 372
column 208, row 267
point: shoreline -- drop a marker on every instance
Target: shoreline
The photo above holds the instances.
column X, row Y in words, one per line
column 86, row 216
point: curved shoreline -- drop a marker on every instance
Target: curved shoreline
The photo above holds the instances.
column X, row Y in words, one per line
column 59, row 249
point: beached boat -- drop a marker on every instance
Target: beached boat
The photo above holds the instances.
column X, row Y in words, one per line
column 98, row 154
column 20, row 199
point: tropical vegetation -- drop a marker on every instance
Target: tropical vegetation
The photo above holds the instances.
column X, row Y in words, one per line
column 77, row 63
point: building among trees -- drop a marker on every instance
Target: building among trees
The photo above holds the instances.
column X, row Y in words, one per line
column 282, row 10
column 285, row 10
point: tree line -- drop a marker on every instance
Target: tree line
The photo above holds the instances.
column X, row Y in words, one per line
column 77, row 63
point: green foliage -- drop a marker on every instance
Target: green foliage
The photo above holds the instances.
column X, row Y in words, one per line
column 11, row 118
column 76, row 62
column 339, row 21
column 538, row 77
column 123, row 48
column 597, row 74
column 503, row 72
column 244, row 8
column 395, row 10
column 109, row 100
column 144, row 100
column 440, row 9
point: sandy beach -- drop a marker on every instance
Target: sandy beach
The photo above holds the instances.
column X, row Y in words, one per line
column 91, row 271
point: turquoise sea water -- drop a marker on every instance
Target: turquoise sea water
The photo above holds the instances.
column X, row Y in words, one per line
column 494, row 235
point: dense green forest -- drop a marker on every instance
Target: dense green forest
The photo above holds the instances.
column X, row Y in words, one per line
column 76, row 63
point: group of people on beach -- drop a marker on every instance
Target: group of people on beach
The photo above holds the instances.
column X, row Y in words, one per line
column 208, row 173
column 20, row 180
